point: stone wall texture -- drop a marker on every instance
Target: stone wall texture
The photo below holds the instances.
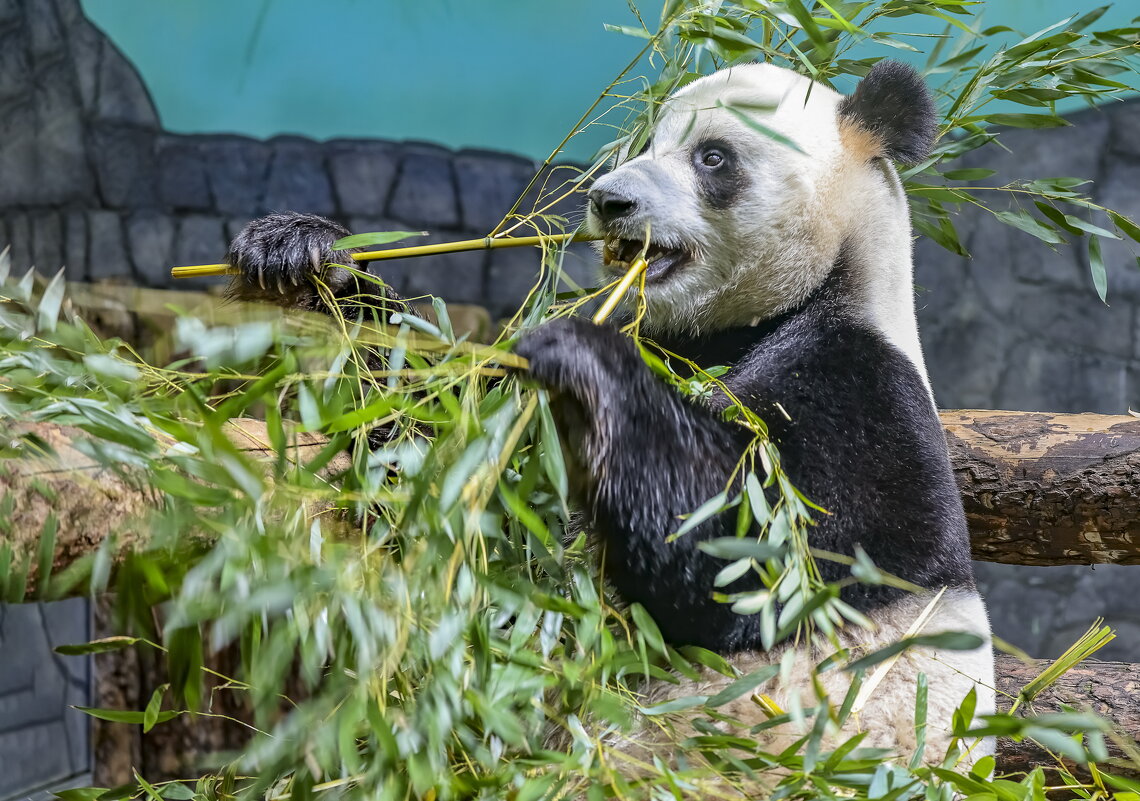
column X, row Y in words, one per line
column 42, row 741
column 90, row 181
column 1020, row 326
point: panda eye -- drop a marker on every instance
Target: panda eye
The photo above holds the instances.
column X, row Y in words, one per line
column 713, row 158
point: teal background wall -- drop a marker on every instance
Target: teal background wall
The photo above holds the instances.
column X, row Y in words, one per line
column 510, row 75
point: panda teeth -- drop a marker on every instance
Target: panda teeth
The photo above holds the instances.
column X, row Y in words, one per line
column 621, row 253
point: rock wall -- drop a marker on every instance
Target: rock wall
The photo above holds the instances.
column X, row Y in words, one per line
column 42, row 741
column 89, row 180
column 1020, row 326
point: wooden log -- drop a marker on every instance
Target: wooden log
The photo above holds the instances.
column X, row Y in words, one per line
column 1048, row 489
column 1109, row 689
column 88, row 502
column 1039, row 489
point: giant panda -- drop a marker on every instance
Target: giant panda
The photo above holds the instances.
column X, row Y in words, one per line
column 792, row 266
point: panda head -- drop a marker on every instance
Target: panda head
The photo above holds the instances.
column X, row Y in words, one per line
column 742, row 225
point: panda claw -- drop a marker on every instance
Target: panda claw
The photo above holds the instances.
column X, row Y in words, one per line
column 314, row 258
column 261, row 276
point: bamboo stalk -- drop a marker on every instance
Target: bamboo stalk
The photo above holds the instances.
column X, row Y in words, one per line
column 486, row 243
column 636, row 269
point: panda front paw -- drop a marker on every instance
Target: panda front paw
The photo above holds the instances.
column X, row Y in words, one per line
column 280, row 255
column 588, row 361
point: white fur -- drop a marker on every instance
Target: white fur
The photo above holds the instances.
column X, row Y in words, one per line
column 778, row 242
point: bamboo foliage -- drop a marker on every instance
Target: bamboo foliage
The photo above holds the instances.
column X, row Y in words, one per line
column 445, row 622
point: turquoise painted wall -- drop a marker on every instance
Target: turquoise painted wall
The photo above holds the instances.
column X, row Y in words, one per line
column 509, row 75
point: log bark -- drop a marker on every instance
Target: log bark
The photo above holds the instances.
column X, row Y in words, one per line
column 88, row 501
column 1048, row 489
column 1109, row 689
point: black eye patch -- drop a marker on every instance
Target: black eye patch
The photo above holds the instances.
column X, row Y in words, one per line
column 720, row 176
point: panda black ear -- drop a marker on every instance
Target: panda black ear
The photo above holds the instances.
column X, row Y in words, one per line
column 894, row 105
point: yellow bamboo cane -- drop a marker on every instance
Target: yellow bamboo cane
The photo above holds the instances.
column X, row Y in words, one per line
column 635, row 270
column 486, row 243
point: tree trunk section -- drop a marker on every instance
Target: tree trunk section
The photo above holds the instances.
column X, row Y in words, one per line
column 1038, row 489
column 1048, row 489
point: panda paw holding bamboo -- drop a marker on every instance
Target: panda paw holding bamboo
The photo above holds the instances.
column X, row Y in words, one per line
column 288, row 259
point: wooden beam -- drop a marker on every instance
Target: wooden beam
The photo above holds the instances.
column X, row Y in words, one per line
column 1048, row 489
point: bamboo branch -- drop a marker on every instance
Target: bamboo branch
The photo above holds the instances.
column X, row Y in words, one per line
column 486, row 243
column 636, row 269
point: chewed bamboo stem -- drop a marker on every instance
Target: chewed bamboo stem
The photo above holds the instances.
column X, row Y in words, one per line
column 635, row 270
column 486, row 243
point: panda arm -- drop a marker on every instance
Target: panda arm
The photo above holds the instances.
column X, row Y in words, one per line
column 650, row 456
column 284, row 258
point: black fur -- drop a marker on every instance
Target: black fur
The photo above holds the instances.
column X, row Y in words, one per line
column 864, row 442
column 281, row 257
column 893, row 103
column 720, row 185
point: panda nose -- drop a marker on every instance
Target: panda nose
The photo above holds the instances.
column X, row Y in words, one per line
column 610, row 206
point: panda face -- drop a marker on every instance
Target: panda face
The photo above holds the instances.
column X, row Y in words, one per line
column 741, row 225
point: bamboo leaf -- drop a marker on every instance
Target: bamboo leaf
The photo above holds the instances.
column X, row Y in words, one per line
column 740, row 548
column 1126, row 225
column 1022, row 220
column 1024, row 120
column 50, row 303
column 80, row 794
column 745, row 684
column 968, row 174
column 647, row 628
column 124, row 715
column 759, row 127
column 148, row 788
column 154, row 707
column 708, row 509
column 375, row 238
column 1097, row 268
column 99, row 646
column 950, row 641
column 1089, row 228
column 674, row 705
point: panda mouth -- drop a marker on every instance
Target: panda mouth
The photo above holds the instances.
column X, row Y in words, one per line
column 619, row 255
